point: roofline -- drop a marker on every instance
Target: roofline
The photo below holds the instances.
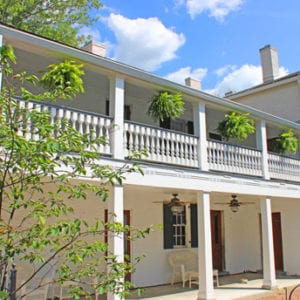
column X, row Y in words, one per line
column 265, row 86
column 124, row 69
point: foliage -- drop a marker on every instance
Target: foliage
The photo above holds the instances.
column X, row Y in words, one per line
column 165, row 105
column 236, row 125
column 59, row 20
column 40, row 158
column 64, row 79
column 286, row 142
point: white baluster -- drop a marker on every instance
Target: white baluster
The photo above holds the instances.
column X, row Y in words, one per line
column 142, row 138
column 168, row 147
column 148, row 143
column 80, row 123
column 159, row 145
column 138, row 138
column 154, row 144
column 107, row 128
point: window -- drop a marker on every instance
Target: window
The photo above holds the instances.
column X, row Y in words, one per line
column 174, row 228
column 127, row 110
column 180, row 230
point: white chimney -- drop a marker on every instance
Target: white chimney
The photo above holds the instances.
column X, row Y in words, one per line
column 95, row 48
column 193, row 83
column 269, row 63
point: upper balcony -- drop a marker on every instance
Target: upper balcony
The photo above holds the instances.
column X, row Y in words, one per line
column 171, row 147
column 115, row 105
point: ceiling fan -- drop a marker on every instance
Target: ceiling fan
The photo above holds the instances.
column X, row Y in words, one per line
column 176, row 205
column 234, row 203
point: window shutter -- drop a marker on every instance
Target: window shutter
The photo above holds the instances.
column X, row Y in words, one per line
column 194, row 226
column 168, row 228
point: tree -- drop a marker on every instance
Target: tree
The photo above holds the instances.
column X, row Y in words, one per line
column 59, row 20
column 40, row 158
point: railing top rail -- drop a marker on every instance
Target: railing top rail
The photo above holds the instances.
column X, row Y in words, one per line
column 160, row 128
column 67, row 108
column 234, row 145
column 283, row 155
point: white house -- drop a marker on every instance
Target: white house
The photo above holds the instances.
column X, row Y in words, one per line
column 278, row 95
column 190, row 160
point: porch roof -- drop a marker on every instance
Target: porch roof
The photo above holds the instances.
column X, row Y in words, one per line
column 22, row 38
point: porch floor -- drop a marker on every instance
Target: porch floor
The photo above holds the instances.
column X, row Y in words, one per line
column 230, row 288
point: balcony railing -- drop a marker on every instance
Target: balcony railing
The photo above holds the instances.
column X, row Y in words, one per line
column 84, row 122
column 285, row 168
column 234, row 159
column 164, row 146
column 169, row 147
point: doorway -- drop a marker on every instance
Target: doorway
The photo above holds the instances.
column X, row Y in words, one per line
column 216, row 239
column 277, row 241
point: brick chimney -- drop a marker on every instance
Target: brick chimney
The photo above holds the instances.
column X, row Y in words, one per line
column 193, row 83
column 269, row 63
column 95, row 48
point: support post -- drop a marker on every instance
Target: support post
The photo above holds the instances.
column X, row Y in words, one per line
column 261, row 141
column 269, row 281
column 205, row 267
column 200, row 130
column 116, row 241
column 116, row 107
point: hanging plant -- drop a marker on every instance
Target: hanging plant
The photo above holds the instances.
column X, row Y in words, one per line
column 286, row 142
column 165, row 105
column 64, row 79
column 236, row 125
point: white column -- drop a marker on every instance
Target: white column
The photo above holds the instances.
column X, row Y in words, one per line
column 116, row 108
column 261, row 141
column 200, row 130
column 116, row 241
column 205, row 267
column 269, row 280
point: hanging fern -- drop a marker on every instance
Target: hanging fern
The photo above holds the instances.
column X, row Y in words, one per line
column 287, row 142
column 165, row 105
column 64, row 79
column 236, row 125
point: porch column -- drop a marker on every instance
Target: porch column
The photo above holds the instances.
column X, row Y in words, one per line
column 200, row 131
column 116, row 241
column 205, row 266
column 116, row 107
column 269, row 280
column 261, row 141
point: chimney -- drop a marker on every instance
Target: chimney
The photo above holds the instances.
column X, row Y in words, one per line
column 95, row 48
column 193, row 83
column 269, row 63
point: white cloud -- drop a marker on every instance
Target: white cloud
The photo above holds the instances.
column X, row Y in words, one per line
column 180, row 75
column 239, row 79
column 215, row 8
column 144, row 43
column 225, row 70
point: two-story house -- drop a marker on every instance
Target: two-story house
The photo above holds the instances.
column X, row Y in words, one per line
column 188, row 159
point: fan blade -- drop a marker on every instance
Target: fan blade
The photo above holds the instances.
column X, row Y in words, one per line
column 222, row 203
column 245, row 203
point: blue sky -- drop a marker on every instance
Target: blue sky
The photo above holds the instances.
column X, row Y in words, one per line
column 215, row 41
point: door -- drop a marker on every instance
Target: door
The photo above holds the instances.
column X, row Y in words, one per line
column 127, row 249
column 216, row 239
column 277, row 241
